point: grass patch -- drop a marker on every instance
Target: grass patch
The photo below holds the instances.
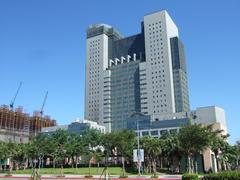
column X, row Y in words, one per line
column 78, row 171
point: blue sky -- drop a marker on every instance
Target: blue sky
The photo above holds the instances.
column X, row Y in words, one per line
column 42, row 43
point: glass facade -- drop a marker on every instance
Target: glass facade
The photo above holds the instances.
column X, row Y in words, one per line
column 146, row 124
column 125, row 93
column 129, row 46
column 179, row 76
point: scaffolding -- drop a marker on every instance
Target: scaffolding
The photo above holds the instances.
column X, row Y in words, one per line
column 17, row 120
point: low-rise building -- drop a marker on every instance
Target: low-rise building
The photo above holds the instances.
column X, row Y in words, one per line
column 78, row 126
column 18, row 126
column 145, row 126
column 157, row 125
column 14, row 135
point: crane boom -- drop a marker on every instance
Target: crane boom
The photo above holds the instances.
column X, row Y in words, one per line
column 44, row 102
column 15, row 96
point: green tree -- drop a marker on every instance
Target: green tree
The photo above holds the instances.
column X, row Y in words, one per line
column 219, row 145
column 3, row 152
column 172, row 150
column 11, row 151
column 59, row 142
column 74, row 147
column 193, row 140
column 124, row 141
column 108, row 143
column 92, row 141
column 237, row 152
column 227, row 157
column 152, row 149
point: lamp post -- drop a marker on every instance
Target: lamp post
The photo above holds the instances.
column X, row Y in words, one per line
column 106, row 157
column 138, row 150
column 138, row 142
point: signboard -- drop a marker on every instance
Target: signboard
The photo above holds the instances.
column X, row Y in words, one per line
column 2, row 162
column 139, row 155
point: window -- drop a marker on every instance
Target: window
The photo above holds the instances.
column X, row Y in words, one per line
column 154, row 133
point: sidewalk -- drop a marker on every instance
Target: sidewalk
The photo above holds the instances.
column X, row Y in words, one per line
column 74, row 177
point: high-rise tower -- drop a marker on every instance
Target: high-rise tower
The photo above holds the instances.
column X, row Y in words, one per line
column 143, row 73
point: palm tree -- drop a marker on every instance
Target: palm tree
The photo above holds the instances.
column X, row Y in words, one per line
column 152, row 149
column 218, row 146
column 193, row 140
column 172, row 150
column 237, row 153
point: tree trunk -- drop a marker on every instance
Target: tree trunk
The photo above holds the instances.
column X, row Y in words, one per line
column 26, row 164
column 62, row 169
column 237, row 164
column 192, row 165
column 5, row 167
column 161, row 162
column 189, row 164
column 10, row 166
column 154, row 167
column 89, row 167
column 98, row 167
column 73, row 161
column 175, row 162
column 123, row 165
column 54, row 164
column 196, row 165
column 76, row 163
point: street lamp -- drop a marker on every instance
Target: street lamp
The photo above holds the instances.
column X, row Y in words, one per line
column 138, row 149
column 138, row 141
column 106, row 158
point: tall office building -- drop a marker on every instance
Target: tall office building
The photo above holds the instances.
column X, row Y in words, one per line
column 143, row 73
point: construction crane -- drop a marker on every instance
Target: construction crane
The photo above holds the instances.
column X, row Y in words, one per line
column 44, row 101
column 15, row 96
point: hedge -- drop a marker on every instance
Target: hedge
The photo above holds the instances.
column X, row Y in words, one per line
column 190, row 177
column 230, row 175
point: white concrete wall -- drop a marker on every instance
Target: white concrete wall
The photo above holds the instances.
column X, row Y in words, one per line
column 210, row 115
column 105, row 119
column 158, row 29
column 54, row 128
column 168, row 116
column 97, row 62
column 7, row 135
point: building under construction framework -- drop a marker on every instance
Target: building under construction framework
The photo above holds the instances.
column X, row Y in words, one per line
column 16, row 125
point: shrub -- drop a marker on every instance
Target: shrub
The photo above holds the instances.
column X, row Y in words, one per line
column 88, row 176
column 155, row 176
column 123, row 176
column 8, row 174
column 190, row 177
column 230, row 175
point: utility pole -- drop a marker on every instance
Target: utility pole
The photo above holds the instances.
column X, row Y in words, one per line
column 138, row 150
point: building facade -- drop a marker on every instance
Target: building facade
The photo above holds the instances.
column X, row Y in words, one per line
column 18, row 126
column 78, row 127
column 158, row 125
column 143, row 73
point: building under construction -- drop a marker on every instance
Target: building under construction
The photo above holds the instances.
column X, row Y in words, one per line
column 16, row 125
